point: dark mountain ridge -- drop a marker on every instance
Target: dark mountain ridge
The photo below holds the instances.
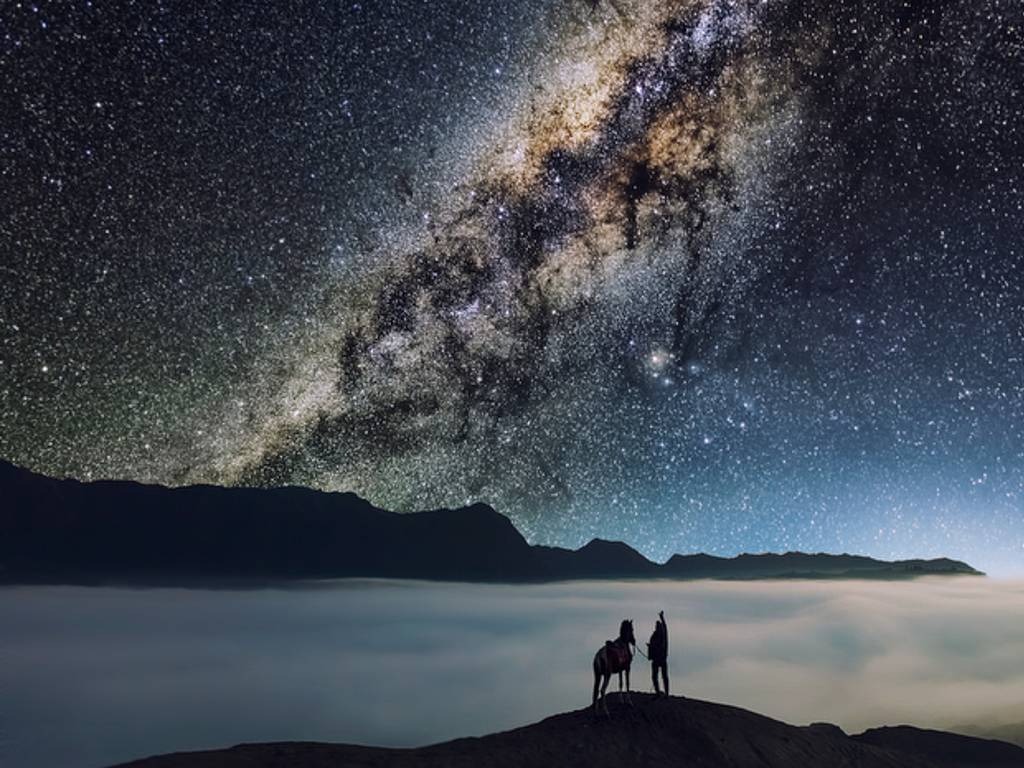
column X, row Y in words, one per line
column 654, row 732
column 1011, row 732
column 110, row 531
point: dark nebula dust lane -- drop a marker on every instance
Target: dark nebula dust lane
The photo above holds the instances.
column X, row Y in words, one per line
column 703, row 275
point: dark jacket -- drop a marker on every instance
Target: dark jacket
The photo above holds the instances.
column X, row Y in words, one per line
column 657, row 648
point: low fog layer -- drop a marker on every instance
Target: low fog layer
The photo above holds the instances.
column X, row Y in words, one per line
column 92, row 676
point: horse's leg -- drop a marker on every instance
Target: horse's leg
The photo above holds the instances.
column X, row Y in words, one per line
column 629, row 699
column 597, row 673
column 620, row 682
column 604, row 688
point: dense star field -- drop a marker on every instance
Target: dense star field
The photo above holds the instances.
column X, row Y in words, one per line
column 700, row 275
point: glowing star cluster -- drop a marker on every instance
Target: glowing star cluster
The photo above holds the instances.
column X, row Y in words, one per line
column 452, row 341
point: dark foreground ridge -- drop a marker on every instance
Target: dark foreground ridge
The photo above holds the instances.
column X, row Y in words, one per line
column 654, row 732
column 66, row 531
column 1011, row 732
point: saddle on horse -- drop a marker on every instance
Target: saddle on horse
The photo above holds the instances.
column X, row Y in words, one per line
column 618, row 654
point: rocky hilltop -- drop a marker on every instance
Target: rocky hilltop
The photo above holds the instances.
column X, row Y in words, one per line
column 653, row 732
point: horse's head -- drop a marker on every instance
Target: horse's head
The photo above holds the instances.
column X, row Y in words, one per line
column 626, row 631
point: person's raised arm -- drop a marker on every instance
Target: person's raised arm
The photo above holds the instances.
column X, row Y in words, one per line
column 661, row 615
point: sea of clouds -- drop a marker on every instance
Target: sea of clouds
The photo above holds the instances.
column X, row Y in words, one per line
column 90, row 676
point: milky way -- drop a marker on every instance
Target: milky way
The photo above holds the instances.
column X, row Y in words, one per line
column 699, row 275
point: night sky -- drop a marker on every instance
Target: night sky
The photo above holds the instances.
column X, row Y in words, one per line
column 708, row 275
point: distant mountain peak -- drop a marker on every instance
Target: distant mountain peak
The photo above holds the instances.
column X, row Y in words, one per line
column 608, row 545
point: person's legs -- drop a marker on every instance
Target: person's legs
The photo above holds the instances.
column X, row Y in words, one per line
column 664, row 675
column 654, row 677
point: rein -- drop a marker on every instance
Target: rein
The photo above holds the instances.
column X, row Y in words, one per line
column 637, row 649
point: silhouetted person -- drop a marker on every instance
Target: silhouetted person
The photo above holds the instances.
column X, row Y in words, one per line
column 657, row 651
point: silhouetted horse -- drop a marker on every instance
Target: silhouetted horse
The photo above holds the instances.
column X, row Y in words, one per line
column 616, row 656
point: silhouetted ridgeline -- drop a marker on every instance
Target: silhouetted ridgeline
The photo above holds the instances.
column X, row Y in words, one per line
column 1011, row 732
column 116, row 531
column 655, row 732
